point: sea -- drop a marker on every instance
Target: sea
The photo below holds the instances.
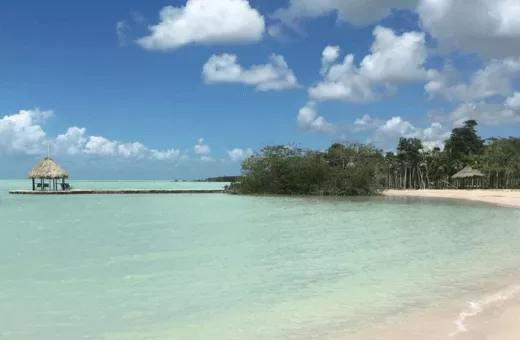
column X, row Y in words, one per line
column 223, row 267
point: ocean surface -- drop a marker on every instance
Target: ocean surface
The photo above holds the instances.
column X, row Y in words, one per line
column 213, row 266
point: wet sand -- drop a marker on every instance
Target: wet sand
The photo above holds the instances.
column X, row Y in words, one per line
column 508, row 198
column 499, row 323
column 494, row 315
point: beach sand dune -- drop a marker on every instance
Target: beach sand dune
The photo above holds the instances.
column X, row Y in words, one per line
column 508, row 198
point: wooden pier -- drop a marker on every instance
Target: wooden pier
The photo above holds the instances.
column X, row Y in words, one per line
column 116, row 191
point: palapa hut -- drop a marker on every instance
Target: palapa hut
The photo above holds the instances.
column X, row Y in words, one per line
column 49, row 170
column 469, row 177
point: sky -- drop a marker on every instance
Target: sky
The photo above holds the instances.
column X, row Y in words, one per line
column 185, row 89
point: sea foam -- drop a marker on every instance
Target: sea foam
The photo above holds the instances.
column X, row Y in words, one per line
column 478, row 307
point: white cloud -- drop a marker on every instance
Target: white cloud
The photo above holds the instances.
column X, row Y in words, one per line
column 164, row 155
column 389, row 133
column 488, row 27
column 354, row 11
column 434, row 136
column 513, row 102
column 495, row 79
column 276, row 75
column 100, row 146
column 343, row 82
column 279, row 32
column 200, row 148
column 485, row 113
column 330, row 55
column 308, row 119
column 21, row 132
column 207, row 159
column 366, row 123
column 72, row 142
column 132, row 150
column 275, row 31
column 397, row 127
column 237, row 155
column 137, row 17
column 122, row 30
column 394, row 59
column 205, row 21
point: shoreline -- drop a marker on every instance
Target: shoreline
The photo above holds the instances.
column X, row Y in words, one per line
column 505, row 198
column 496, row 315
column 488, row 311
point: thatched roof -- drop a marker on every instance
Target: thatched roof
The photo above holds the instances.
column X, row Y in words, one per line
column 47, row 168
column 468, row 172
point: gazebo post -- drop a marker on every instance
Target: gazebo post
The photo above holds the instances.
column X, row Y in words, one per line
column 33, row 185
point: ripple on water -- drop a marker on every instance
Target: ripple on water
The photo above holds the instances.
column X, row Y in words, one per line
column 225, row 267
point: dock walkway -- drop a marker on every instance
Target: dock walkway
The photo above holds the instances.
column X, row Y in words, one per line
column 116, row 191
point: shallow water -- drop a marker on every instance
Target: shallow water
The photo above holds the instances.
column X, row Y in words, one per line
column 213, row 266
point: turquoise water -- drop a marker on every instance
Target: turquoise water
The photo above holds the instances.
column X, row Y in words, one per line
column 213, row 266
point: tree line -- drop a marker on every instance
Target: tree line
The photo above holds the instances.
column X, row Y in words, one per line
column 362, row 169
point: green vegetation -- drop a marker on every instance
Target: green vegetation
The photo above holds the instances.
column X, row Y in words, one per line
column 344, row 169
column 358, row 169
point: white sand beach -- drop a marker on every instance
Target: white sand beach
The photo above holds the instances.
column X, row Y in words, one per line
column 509, row 198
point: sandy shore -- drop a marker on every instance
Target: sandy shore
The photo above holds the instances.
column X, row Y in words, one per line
column 509, row 198
column 497, row 320
column 497, row 323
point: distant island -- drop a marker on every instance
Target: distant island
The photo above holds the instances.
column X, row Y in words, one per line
column 467, row 161
column 220, row 179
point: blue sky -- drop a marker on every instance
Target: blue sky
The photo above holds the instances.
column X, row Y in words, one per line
column 187, row 89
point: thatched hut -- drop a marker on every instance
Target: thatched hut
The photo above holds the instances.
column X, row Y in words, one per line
column 469, row 177
column 49, row 170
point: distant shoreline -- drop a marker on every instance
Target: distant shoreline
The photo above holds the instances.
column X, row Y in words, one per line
column 506, row 198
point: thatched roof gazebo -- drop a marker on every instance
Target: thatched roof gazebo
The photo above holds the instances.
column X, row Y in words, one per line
column 48, row 169
column 464, row 176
